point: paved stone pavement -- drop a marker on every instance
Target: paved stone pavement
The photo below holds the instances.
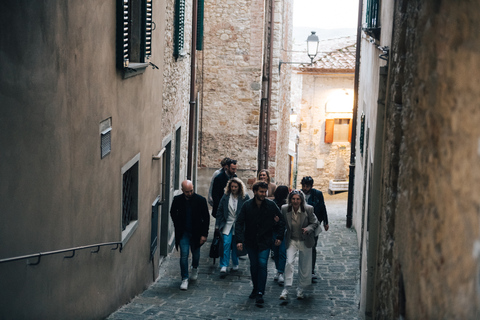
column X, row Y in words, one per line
column 333, row 296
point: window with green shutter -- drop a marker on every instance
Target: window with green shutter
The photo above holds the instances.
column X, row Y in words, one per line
column 372, row 16
column 134, row 39
column 200, row 14
column 179, row 33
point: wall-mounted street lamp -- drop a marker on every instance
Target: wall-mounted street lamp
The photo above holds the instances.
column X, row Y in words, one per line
column 312, row 51
column 293, row 117
column 293, row 120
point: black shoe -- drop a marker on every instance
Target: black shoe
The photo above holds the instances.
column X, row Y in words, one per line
column 259, row 299
column 253, row 294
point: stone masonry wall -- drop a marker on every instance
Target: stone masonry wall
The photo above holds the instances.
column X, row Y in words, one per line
column 231, row 89
column 281, row 120
column 233, row 46
column 432, row 146
column 176, row 93
column 312, row 148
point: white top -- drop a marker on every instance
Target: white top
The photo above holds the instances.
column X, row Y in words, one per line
column 232, row 214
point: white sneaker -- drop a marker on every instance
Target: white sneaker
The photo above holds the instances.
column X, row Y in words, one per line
column 284, row 295
column 281, row 279
column 223, row 272
column 275, row 277
column 194, row 274
column 184, row 285
column 235, row 268
column 300, row 294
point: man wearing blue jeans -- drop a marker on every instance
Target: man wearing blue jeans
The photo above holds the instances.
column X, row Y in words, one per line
column 191, row 220
column 258, row 219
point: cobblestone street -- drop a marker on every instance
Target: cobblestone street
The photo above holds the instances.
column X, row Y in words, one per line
column 333, row 296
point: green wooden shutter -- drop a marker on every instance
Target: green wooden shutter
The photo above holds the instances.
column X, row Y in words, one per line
column 147, row 24
column 179, row 27
column 122, row 33
column 372, row 14
column 200, row 13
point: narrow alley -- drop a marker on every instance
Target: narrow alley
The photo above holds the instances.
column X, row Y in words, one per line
column 333, row 296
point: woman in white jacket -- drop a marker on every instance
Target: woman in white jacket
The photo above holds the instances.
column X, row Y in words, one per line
column 228, row 209
column 301, row 223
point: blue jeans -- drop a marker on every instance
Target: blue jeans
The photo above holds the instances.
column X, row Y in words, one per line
column 258, row 268
column 185, row 245
column 280, row 255
column 227, row 246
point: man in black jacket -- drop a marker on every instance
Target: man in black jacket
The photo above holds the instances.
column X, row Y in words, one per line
column 258, row 219
column 191, row 220
column 315, row 198
column 220, row 182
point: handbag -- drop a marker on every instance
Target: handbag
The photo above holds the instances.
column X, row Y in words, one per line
column 318, row 229
column 215, row 246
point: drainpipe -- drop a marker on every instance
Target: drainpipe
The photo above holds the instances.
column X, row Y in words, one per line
column 264, row 130
column 351, row 178
column 191, row 116
column 269, row 90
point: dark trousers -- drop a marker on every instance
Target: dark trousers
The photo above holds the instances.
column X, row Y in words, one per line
column 314, row 255
column 258, row 268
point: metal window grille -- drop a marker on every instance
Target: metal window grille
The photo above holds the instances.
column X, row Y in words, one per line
column 106, row 142
column 179, row 28
column 130, row 192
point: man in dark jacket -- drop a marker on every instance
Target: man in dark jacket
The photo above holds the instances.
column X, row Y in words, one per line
column 254, row 228
column 220, row 182
column 315, row 198
column 191, row 220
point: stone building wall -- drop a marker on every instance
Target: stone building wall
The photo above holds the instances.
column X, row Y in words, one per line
column 176, row 93
column 232, row 68
column 280, row 164
column 428, row 257
column 317, row 158
column 230, row 93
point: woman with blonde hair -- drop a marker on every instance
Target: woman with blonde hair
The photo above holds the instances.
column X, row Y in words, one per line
column 229, row 207
column 264, row 175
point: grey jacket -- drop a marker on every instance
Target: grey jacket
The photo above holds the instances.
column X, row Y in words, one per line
column 307, row 220
column 222, row 212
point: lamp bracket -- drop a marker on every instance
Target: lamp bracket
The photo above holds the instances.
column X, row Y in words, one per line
column 285, row 62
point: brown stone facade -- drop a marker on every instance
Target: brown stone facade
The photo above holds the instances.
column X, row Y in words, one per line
column 427, row 261
column 230, row 92
column 318, row 159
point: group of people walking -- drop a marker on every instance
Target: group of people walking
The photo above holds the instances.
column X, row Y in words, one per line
column 287, row 223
